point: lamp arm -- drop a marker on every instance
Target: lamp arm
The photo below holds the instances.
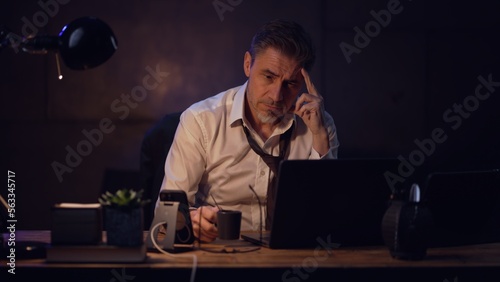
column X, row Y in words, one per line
column 39, row 44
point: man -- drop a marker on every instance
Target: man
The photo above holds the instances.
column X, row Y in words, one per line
column 211, row 158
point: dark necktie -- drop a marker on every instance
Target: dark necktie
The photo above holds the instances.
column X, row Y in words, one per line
column 273, row 163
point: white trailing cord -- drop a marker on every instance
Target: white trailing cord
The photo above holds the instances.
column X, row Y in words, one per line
column 194, row 257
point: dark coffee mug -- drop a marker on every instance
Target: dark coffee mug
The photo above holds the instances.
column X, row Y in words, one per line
column 229, row 224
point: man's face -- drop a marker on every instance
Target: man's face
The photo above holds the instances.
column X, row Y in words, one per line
column 274, row 82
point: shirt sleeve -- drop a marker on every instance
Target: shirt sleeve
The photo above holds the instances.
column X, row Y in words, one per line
column 185, row 163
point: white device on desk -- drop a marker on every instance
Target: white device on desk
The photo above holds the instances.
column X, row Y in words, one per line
column 172, row 214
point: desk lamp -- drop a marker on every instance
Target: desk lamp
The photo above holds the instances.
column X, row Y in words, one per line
column 84, row 43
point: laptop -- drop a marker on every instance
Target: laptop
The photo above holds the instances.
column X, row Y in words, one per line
column 339, row 201
column 465, row 207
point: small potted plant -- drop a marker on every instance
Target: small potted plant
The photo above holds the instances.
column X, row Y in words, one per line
column 124, row 217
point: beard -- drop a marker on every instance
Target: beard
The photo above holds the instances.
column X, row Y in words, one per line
column 268, row 117
column 271, row 116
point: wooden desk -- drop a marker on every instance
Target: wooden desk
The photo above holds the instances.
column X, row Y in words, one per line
column 465, row 263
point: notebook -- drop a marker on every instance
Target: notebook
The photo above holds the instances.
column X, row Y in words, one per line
column 335, row 202
column 465, row 207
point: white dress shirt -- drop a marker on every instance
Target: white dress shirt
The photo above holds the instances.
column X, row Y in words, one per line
column 210, row 154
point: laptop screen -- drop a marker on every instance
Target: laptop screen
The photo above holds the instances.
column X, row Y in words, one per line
column 341, row 199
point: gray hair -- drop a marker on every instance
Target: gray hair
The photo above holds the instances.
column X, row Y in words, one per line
column 286, row 36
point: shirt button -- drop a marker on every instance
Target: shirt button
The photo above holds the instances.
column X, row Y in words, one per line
column 262, row 173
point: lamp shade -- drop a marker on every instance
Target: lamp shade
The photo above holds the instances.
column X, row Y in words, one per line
column 86, row 43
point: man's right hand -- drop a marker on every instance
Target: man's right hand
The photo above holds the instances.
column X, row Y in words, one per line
column 204, row 221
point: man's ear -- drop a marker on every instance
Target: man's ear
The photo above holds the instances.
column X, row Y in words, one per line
column 247, row 63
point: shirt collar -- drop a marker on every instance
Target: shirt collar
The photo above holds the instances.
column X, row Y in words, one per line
column 238, row 109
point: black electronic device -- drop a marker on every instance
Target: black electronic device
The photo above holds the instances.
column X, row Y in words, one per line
column 340, row 201
column 465, row 207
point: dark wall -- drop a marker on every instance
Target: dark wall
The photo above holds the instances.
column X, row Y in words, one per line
column 390, row 86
